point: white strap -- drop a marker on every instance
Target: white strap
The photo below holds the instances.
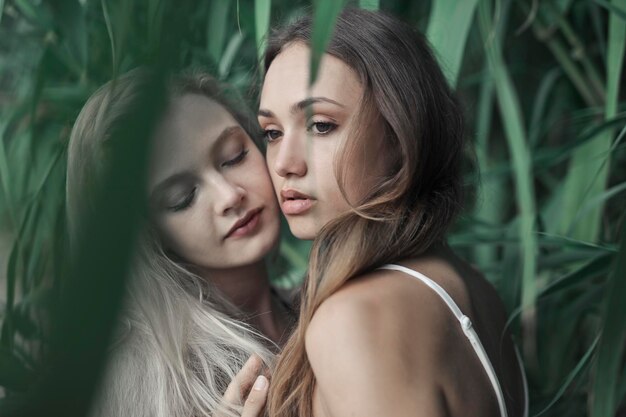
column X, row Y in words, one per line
column 466, row 325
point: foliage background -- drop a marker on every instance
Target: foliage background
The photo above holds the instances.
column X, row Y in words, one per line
column 540, row 81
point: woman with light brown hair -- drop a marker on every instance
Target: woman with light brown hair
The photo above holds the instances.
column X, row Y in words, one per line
column 199, row 303
column 366, row 162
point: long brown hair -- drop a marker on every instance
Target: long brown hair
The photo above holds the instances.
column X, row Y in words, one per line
column 411, row 207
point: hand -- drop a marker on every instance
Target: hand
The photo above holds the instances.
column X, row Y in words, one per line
column 248, row 381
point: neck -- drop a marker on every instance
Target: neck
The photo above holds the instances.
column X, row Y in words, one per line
column 248, row 288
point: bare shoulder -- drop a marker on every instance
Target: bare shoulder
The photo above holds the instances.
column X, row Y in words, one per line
column 381, row 301
column 377, row 347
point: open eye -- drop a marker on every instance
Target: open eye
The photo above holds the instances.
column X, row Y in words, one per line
column 236, row 160
column 270, row 135
column 321, row 128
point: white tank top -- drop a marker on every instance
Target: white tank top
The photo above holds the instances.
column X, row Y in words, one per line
column 471, row 335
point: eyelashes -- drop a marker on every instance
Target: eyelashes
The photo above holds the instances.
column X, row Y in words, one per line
column 187, row 200
column 317, row 128
column 236, row 160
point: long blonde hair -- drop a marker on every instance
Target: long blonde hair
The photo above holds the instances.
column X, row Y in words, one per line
column 180, row 341
column 410, row 207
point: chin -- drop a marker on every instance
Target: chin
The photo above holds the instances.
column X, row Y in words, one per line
column 302, row 231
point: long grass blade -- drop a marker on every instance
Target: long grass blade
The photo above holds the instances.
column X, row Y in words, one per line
column 5, row 178
column 324, row 16
column 611, row 348
column 216, row 29
column 262, row 11
column 229, row 55
column 449, row 45
column 578, row 369
column 1, row 9
column 588, row 173
column 369, row 4
column 519, row 151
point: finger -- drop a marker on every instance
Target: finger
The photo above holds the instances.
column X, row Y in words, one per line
column 257, row 398
column 241, row 383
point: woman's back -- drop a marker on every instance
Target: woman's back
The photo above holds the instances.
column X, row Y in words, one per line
column 409, row 337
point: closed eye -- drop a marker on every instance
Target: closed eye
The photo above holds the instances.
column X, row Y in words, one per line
column 185, row 202
column 236, row 160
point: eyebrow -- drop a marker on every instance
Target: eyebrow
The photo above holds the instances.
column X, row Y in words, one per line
column 174, row 178
column 302, row 105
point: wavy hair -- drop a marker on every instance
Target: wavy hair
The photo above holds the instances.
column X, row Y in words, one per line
column 180, row 341
column 410, row 207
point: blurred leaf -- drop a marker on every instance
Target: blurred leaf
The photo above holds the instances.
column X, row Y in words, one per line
column 216, row 29
column 39, row 15
column 325, row 14
column 611, row 348
column 613, row 8
column 262, row 10
column 512, row 120
column 25, row 326
column 599, row 200
column 13, row 374
column 588, row 172
column 229, row 54
column 449, row 45
column 369, row 4
column 5, row 178
column 598, row 266
column 73, row 30
column 541, row 100
column 580, row 367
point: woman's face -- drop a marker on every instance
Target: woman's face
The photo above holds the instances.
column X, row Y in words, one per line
column 210, row 191
column 304, row 129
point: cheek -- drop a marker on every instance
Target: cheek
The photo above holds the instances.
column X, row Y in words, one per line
column 183, row 233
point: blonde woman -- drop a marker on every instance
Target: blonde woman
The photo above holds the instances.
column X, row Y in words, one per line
column 367, row 163
column 199, row 303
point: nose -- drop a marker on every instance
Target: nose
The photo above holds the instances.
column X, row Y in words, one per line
column 228, row 195
column 288, row 157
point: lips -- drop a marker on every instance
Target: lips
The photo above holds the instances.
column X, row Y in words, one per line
column 245, row 225
column 293, row 202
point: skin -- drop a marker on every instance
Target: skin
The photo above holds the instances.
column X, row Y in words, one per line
column 205, row 175
column 290, row 134
column 383, row 344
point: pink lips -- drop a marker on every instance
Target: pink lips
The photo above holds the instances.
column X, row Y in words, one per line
column 246, row 225
column 293, row 202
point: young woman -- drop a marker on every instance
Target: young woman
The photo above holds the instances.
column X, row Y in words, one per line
column 199, row 299
column 367, row 163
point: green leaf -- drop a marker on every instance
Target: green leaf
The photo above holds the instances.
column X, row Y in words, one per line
column 324, row 17
column 1, row 9
column 39, row 15
column 369, row 4
column 449, row 45
column 578, row 369
column 229, row 54
column 613, row 336
column 618, row 11
column 262, row 14
column 216, row 28
column 74, row 31
column 14, row 375
column 588, row 172
column 5, row 178
column 511, row 116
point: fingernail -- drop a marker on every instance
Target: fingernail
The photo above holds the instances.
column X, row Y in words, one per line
column 260, row 383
